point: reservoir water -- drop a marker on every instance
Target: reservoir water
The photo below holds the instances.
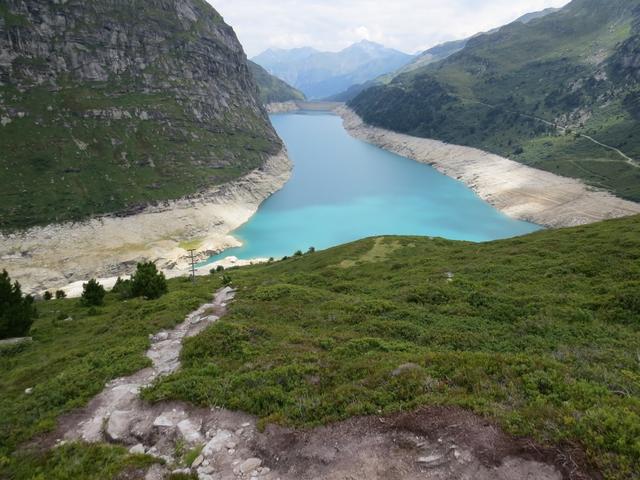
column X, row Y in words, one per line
column 343, row 189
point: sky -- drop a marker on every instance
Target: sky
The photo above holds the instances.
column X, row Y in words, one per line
column 331, row 25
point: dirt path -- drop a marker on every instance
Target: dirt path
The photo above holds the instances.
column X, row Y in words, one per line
column 562, row 129
column 432, row 443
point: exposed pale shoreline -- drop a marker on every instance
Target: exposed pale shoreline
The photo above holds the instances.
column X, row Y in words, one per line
column 519, row 191
column 63, row 256
column 56, row 256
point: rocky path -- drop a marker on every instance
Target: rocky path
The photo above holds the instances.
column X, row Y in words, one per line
column 432, row 443
column 166, row 430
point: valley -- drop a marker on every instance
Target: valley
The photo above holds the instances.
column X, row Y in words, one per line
column 319, row 240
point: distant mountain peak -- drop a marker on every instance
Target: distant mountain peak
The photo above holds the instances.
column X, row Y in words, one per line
column 322, row 74
column 369, row 46
column 365, row 42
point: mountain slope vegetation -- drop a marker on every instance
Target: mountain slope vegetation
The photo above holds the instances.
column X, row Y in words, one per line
column 558, row 93
column 540, row 333
column 108, row 106
column 271, row 88
column 322, row 74
column 429, row 56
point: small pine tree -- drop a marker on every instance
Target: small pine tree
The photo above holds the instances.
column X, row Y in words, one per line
column 17, row 312
column 60, row 294
column 122, row 288
column 93, row 293
column 219, row 268
column 47, row 296
column 298, row 253
column 148, row 282
column 311, row 250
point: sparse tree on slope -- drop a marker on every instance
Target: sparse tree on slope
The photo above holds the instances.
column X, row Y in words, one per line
column 17, row 312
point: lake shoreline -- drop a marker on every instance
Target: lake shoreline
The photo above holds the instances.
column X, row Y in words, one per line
column 62, row 256
column 517, row 190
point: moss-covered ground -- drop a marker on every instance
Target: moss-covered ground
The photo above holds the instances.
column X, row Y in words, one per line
column 540, row 333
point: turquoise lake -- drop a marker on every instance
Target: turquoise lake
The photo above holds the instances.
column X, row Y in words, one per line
column 343, row 189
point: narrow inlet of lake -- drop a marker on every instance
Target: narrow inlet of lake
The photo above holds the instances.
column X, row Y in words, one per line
column 343, row 189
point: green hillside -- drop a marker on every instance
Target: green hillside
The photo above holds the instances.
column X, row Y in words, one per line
column 109, row 106
column 541, row 333
column 271, row 88
column 506, row 92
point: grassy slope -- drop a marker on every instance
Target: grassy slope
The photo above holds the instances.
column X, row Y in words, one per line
column 540, row 332
column 69, row 362
column 61, row 163
column 547, row 68
column 124, row 163
column 272, row 89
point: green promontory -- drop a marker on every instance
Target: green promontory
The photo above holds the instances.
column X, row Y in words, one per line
column 271, row 88
column 507, row 92
column 108, row 106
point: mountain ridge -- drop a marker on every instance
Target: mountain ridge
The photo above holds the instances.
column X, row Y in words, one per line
column 272, row 89
column 322, row 74
column 433, row 54
column 548, row 93
column 106, row 107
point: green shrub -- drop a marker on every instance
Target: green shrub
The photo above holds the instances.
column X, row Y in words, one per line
column 47, row 296
column 92, row 293
column 298, row 253
column 148, row 282
column 60, row 294
column 123, row 289
column 17, row 312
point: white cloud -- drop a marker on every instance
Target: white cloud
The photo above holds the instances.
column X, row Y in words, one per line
column 408, row 25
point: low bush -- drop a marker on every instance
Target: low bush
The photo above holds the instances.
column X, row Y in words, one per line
column 123, row 289
column 92, row 293
column 148, row 282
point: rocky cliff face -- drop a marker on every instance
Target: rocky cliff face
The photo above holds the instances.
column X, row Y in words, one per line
column 109, row 105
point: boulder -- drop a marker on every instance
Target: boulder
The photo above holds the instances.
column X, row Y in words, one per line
column 117, row 428
column 217, row 443
column 198, row 461
column 137, row 449
column 407, row 367
column 249, row 465
column 190, row 431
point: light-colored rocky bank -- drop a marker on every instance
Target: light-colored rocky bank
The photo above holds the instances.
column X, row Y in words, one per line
column 58, row 255
column 518, row 190
column 282, row 107
column 297, row 105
